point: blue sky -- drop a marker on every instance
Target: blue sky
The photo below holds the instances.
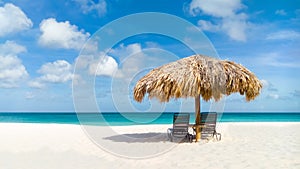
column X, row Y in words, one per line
column 41, row 43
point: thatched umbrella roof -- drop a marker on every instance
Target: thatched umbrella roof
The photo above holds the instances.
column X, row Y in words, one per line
column 198, row 75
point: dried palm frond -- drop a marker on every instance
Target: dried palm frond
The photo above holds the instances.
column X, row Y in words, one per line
column 198, row 75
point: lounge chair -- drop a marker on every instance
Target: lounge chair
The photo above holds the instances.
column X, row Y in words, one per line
column 179, row 132
column 208, row 120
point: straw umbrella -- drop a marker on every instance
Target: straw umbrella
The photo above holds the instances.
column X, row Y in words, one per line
column 197, row 76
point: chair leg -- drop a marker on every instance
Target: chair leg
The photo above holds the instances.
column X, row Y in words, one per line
column 215, row 134
column 189, row 137
column 219, row 137
column 169, row 132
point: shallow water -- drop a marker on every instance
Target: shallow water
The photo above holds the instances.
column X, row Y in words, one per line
column 137, row 118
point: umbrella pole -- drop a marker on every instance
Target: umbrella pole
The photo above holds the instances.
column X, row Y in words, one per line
column 197, row 115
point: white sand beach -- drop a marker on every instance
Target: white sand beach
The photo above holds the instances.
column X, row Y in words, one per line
column 62, row 146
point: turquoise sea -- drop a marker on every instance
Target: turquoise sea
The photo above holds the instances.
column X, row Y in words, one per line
column 137, row 118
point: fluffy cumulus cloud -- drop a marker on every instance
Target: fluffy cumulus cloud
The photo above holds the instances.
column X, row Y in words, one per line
column 88, row 6
column 12, row 71
column 105, row 65
column 56, row 72
column 227, row 17
column 121, row 62
column 61, row 35
column 11, row 48
column 13, row 20
column 126, row 51
column 59, row 71
column 132, row 58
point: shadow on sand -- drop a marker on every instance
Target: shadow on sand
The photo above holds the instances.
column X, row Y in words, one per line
column 139, row 137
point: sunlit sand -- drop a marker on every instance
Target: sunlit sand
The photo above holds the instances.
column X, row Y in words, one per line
column 63, row 146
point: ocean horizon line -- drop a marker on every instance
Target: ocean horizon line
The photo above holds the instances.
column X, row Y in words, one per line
column 169, row 112
column 116, row 118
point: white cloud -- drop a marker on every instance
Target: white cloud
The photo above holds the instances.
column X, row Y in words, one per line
column 273, row 96
column 208, row 26
column 36, row 84
column 61, row 35
column 89, row 5
column 134, row 59
column 125, row 51
column 105, row 65
column 12, row 71
column 78, row 80
column 216, row 8
column 13, row 20
column 56, row 72
column 121, row 62
column 11, row 48
column 280, row 12
column 236, row 27
column 227, row 15
column 131, row 57
column 283, row 35
column 59, row 71
column 96, row 62
column 101, row 63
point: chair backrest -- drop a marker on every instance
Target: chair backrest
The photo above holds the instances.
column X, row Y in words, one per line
column 180, row 125
column 209, row 120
